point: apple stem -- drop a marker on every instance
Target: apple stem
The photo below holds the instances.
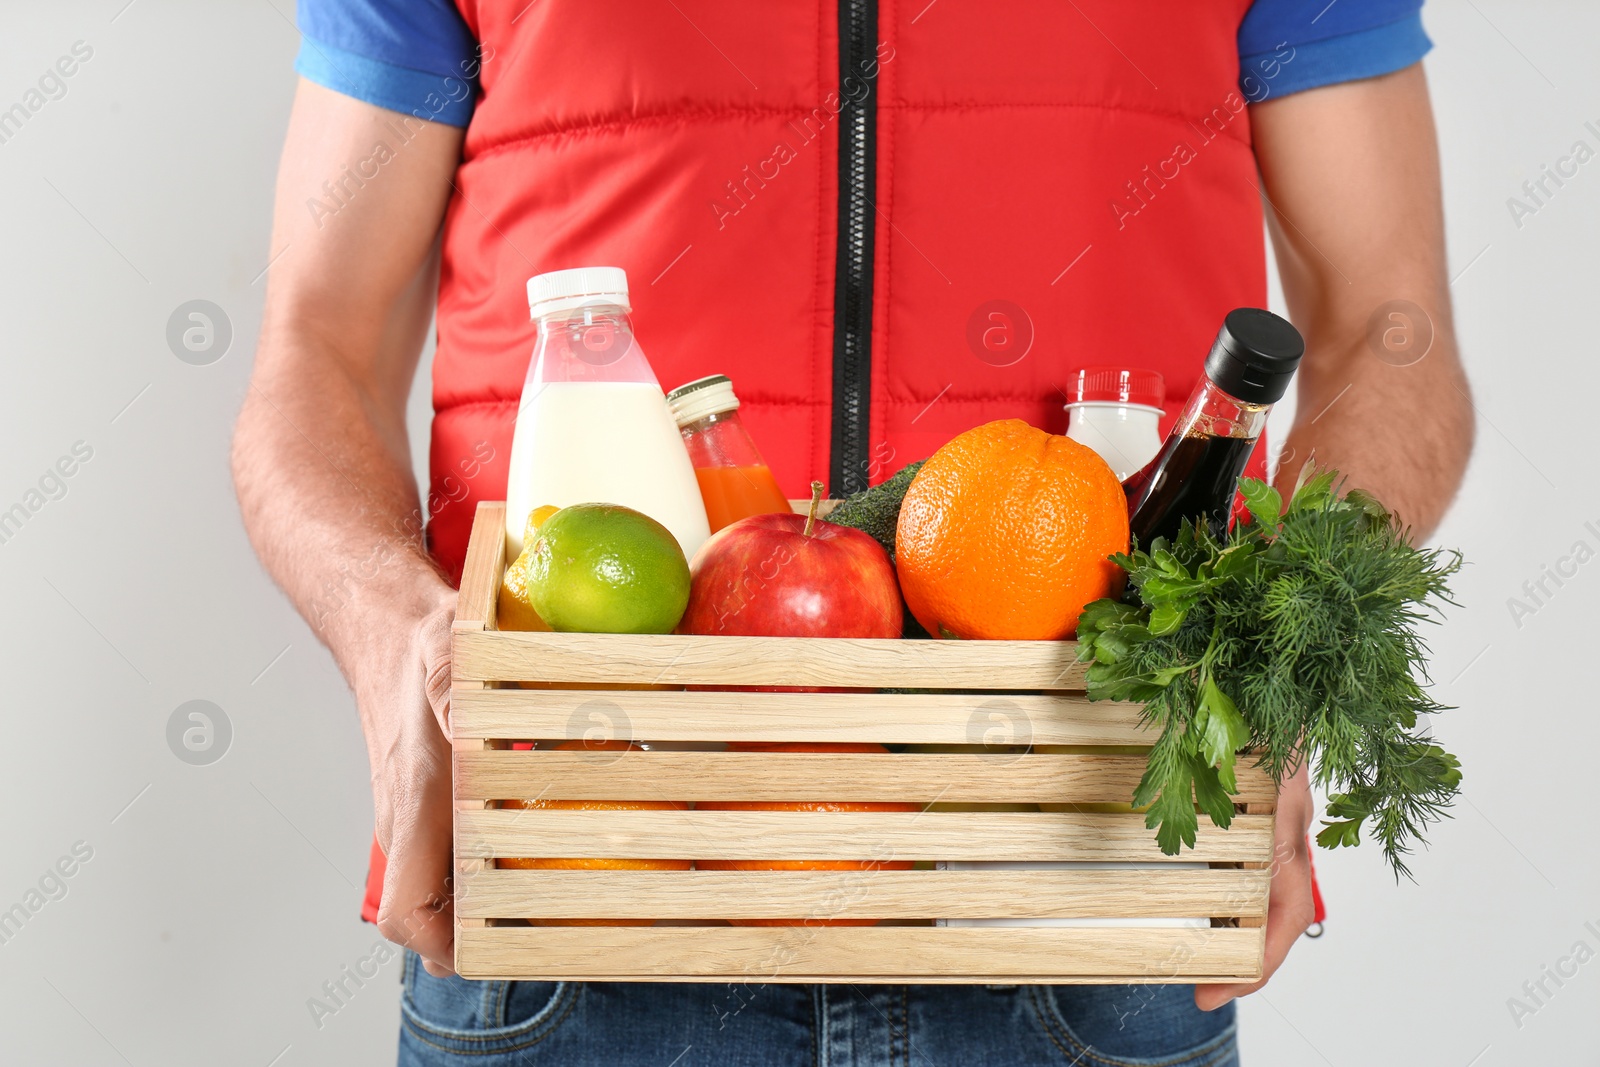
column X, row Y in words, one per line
column 811, row 515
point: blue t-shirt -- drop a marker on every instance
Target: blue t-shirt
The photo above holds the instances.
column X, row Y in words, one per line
column 418, row 57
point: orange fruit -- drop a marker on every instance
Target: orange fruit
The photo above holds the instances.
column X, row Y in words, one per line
column 815, row 805
column 514, row 607
column 1004, row 534
column 592, row 864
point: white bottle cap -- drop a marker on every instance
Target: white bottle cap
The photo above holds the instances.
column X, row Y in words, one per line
column 693, row 401
column 562, row 290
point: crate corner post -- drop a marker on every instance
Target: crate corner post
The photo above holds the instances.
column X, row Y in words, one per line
column 476, row 601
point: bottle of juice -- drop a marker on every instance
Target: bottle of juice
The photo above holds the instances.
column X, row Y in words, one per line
column 593, row 425
column 734, row 480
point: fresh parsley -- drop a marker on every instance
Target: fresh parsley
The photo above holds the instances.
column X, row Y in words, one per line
column 1295, row 638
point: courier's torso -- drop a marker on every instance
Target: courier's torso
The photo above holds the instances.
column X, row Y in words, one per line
column 1021, row 189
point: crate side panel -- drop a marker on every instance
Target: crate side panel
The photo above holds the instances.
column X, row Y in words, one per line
column 822, row 835
column 672, row 659
column 926, row 718
column 875, row 894
column 764, row 954
column 1003, row 777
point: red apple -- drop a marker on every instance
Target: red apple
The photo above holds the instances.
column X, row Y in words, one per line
column 792, row 576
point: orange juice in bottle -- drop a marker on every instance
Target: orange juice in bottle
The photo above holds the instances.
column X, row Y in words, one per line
column 735, row 481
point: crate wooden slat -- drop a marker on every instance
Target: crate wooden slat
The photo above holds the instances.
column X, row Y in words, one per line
column 949, row 777
column 995, row 836
column 672, row 659
column 883, row 894
column 930, row 718
column 1012, row 698
column 857, row 954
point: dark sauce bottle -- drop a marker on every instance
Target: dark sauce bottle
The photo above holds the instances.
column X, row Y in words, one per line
column 1196, row 473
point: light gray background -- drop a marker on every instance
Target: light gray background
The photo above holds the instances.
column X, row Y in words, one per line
column 219, row 898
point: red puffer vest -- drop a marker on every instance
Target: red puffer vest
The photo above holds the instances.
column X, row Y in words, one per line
column 887, row 222
column 994, row 194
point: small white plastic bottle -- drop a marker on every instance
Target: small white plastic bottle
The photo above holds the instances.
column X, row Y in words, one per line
column 593, row 425
column 1117, row 412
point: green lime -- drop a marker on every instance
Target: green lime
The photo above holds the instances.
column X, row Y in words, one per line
column 601, row 568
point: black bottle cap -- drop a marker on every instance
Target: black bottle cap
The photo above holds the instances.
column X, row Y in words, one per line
column 1255, row 356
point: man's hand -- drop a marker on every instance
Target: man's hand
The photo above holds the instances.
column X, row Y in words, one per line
column 322, row 465
column 1289, row 906
column 407, row 739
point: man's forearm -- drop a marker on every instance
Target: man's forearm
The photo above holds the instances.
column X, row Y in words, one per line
column 1350, row 175
column 1403, row 433
column 325, row 484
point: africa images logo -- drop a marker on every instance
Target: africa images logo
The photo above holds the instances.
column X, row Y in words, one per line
column 51, row 85
column 51, row 486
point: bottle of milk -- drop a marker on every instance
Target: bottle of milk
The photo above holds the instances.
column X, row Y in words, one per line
column 593, row 425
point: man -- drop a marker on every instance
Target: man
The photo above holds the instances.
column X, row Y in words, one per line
column 835, row 206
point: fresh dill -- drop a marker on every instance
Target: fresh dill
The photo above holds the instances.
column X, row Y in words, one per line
column 1294, row 638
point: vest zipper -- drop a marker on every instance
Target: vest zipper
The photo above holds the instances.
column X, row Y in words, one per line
column 852, row 302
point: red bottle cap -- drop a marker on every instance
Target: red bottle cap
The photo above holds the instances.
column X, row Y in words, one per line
column 1116, row 385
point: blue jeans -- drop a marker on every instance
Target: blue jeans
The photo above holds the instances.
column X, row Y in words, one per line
column 453, row 1021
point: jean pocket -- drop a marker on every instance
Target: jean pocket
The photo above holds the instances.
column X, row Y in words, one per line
column 1135, row 1026
column 481, row 1017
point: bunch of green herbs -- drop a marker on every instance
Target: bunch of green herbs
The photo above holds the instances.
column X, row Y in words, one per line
column 1295, row 638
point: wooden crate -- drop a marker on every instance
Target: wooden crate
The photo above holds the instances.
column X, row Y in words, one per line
column 978, row 692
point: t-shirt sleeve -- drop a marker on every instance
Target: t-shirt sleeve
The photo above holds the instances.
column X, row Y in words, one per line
column 413, row 56
column 1287, row 46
